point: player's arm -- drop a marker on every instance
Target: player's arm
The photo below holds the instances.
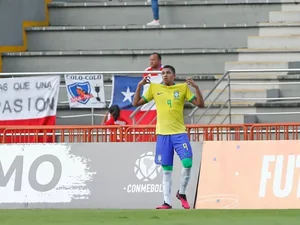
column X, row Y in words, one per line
column 141, row 100
column 198, row 99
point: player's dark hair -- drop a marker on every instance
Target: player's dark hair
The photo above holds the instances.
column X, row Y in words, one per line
column 170, row 67
column 158, row 55
column 114, row 110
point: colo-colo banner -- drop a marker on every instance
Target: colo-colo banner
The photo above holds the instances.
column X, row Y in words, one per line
column 85, row 91
column 29, row 100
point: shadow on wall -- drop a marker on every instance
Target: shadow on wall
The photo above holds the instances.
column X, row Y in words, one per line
column 15, row 16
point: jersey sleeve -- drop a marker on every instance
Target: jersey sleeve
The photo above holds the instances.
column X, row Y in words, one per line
column 189, row 95
column 148, row 95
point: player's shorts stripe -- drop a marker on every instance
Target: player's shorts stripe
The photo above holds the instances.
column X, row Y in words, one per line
column 192, row 98
column 145, row 99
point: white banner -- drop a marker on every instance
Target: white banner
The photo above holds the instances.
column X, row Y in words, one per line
column 28, row 97
column 42, row 174
column 85, row 91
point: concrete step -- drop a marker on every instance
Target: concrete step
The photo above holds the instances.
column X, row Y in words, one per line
column 279, row 29
column 236, row 109
column 290, row 6
column 235, row 93
column 244, row 97
column 219, row 119
column 285, row 118
column 290, row 88
column 237, row 113
column 192, row 61
column 252, row 65
column 286, row 86
column 288, row 41
column 126, row 37
column 290, row 91
column 277, row 107
column 250, row 83
column 274, row 88
column 135, row 13
column 276, row 112
column 269, row 54
column 261, row 65
column 284, row 16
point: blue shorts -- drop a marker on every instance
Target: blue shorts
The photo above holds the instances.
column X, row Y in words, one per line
column 166, row 144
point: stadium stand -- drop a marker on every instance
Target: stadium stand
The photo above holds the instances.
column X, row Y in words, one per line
column 201, row 39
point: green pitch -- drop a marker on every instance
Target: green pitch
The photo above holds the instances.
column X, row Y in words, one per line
column 149, row 217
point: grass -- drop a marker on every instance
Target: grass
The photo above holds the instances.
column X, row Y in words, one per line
column 149, row 217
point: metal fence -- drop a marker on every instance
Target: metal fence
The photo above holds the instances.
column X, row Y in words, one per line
column 225, row 79
column 226, row 84
column 146, row 133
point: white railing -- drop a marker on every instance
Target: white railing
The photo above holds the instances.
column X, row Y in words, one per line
column 226, row 77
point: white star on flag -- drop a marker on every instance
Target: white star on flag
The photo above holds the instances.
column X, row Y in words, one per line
column 127, row 95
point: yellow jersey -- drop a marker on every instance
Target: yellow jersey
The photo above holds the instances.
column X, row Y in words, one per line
column 169, row 102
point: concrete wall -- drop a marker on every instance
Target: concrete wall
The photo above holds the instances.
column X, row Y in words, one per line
column 125, row 38
column 77, row 176
column 12, row 15
column 193, row 61
column 171, row 12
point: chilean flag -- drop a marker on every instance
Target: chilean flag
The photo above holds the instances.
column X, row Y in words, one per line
column 122, row 95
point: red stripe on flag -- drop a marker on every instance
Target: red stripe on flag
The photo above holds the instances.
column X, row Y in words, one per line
column 146, row 117
column 15, row 135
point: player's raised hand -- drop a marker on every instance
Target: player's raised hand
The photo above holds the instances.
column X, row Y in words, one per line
column 146, row 80
column 191, row 82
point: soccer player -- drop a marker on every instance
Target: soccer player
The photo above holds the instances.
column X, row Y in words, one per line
column 170, row 129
